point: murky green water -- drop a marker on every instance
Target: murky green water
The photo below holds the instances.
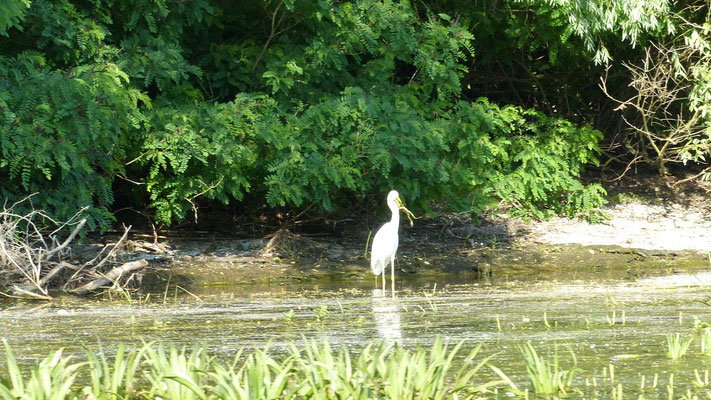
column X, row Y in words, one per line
column 603, row 321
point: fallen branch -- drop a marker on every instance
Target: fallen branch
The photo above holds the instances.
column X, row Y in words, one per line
column 691, row 178
column 66, row 242
column 112, row 252
column 110, row 277
column 20, row 292
column 33, row 262
column 54, row 271
column 278, row 237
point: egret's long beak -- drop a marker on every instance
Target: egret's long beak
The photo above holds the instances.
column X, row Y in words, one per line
column 410, row 215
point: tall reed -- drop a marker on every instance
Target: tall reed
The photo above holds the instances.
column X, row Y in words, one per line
column 547, row 377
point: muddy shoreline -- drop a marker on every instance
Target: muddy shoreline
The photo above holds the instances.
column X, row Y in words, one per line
column 647, row 239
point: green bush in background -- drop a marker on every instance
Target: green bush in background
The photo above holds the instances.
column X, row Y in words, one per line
column 293, row 104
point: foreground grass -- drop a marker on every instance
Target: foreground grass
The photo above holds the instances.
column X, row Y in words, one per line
column 317, row 371
column 314, row 371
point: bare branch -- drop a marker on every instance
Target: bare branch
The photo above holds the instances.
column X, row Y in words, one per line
column 66, row 242
column 31, row 261
column 111, row 276
column 660, row 125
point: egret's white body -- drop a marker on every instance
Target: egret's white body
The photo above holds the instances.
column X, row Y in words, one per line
column 385, row 242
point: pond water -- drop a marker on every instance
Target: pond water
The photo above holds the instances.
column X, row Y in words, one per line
column 603, row 321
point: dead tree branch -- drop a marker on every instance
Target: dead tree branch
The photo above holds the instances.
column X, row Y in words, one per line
column 663, row 122
column 111, row 277
column 33, row 262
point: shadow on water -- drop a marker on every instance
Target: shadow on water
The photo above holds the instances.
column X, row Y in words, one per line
column 603, row 318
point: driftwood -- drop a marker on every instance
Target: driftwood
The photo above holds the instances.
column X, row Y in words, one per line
column 278, row 237
column 33, row 261
column 61, row 247
column 98, row 261
column 111, row 277
column 54, row 271
column 18, row 291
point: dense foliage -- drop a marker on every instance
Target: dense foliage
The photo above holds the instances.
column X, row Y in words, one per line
column 300, row 104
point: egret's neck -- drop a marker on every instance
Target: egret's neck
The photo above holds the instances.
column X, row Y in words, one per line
column 396, row 214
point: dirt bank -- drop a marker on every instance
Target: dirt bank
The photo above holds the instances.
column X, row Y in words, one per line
column 651, row 227
column 644, row 238
column 669, row 226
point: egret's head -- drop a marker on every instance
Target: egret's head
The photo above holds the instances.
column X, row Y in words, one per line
column 394, row 196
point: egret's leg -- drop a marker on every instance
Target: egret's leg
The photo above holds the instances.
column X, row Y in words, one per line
column 383, row 279
column 392, row 274
column 376, row 281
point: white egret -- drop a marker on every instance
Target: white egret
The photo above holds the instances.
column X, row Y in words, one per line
column 386, row 240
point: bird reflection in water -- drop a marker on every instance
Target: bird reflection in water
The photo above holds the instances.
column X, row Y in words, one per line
column 386, row 311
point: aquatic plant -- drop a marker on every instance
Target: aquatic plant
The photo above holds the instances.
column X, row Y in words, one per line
column 676, row 346
column 547, row 377
column 385, row 370
column 321, row 312
column 50, row 379
column 176, row 374
column 706, row 341
column 315, row 371
column 260, row 377
column 701, row 382
column 116, row 381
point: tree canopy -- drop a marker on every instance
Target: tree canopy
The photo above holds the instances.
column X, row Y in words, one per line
column 162, row 105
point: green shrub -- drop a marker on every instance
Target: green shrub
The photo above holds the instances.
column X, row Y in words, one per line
column 167, row 105
column 62, row 134
column 204, row 150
